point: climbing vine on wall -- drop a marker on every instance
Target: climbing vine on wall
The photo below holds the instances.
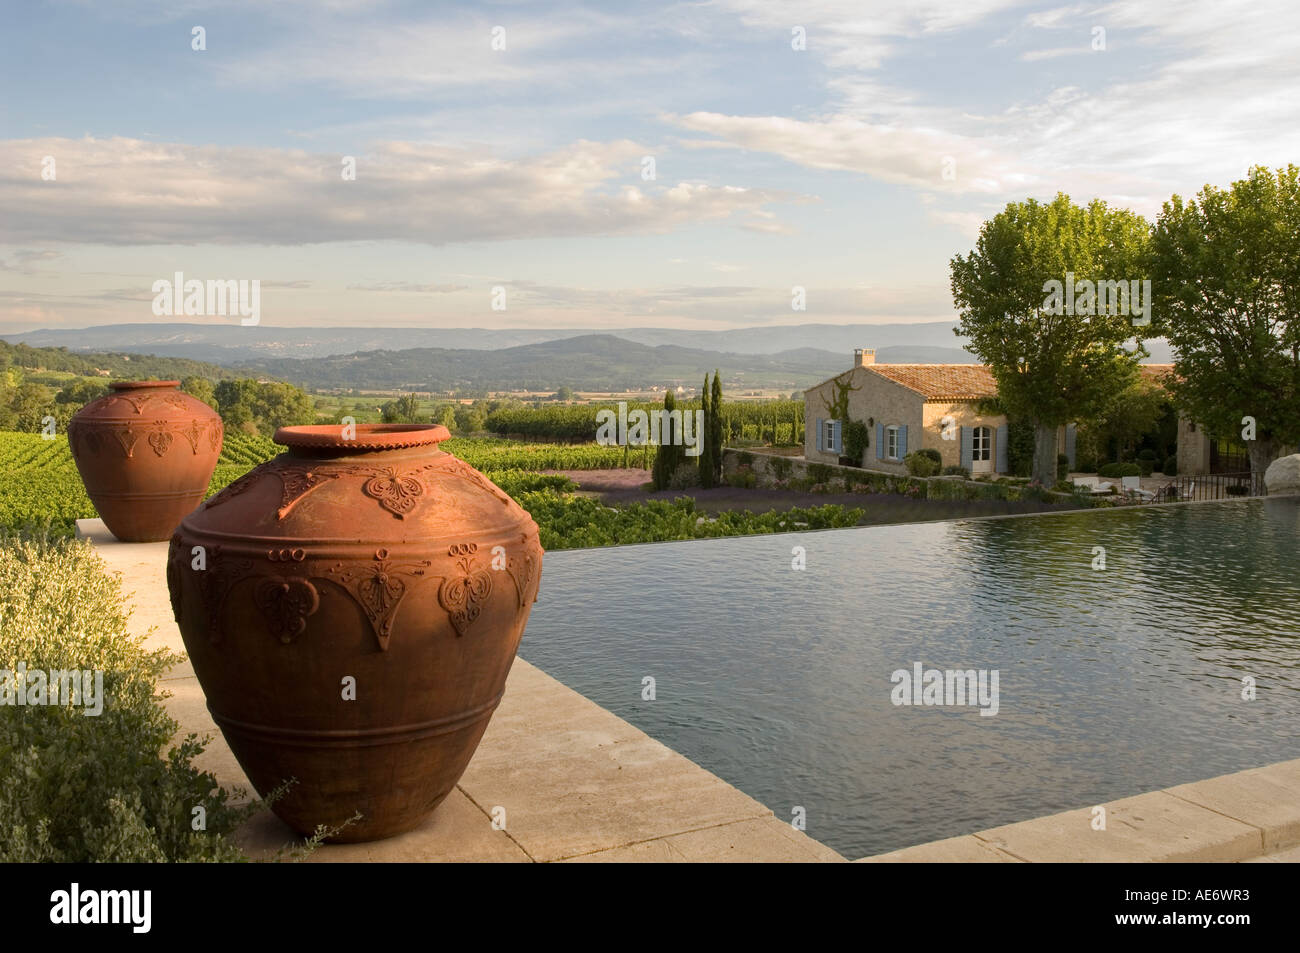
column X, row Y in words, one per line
column 839, row 408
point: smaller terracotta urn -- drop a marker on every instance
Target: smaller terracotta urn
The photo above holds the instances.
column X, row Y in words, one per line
column 145, row 452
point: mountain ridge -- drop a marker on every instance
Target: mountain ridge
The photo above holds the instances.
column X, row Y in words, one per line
column 216, row 342
column 593, row 362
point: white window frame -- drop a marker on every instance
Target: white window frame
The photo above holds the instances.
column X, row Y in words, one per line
column 829, row 439
column 981, row 444
column 891, row 442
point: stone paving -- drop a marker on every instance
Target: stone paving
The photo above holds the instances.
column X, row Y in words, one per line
column 1248, row 816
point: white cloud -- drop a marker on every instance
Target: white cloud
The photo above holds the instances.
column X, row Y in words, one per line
column 1030, row 56
column 909, row 156
column 24, row 260
column 128, row 192
column 407, row 287
column 1193, row 95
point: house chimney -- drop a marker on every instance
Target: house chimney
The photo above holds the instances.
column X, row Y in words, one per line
column 863, row 356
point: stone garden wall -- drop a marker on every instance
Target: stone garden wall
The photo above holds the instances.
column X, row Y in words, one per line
column 770, row 470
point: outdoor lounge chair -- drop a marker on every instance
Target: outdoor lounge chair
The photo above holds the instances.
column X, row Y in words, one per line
column 1133, row 487
column 1092, row 484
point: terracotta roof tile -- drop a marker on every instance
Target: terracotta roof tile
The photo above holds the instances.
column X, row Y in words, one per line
column 941, row 381
column 1156, row 371
column 964, row 381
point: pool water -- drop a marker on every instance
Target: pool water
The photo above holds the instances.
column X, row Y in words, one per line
column 1111, row 681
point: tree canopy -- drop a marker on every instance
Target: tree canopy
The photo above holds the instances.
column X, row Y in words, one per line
column 1051, row 368
column 1226, row 268
column 262, row 406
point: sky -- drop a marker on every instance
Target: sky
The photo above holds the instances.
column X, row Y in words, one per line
column 502, row 150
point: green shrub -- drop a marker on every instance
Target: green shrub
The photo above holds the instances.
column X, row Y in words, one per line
column 92, row 788
column 742, row 477
column 921, row 464
column 1020, row 446
column 956, row 471
column 1084, row 464
column 961, row 490
column 744, row 459
column 686, row 476
column 1113, row 470
column 1146, row 467
column 781, row 468
column 1062, row 467
column 1146, row 453
column 583, row 522
column 1171, row 466
column 1034, row 493
column 856, row 440
column 820, row 472
column 1083, row 498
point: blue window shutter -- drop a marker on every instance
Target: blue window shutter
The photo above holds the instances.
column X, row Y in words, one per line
column 821, row 433
column 835, row 436
column 967, row 447
column 902, row 441
column 1070, row 433
column 880, row 441
column 1001, row 449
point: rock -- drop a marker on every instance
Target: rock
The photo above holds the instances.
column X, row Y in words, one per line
column 1283, row 476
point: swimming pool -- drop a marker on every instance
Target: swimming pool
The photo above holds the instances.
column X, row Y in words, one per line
column 1111, row 681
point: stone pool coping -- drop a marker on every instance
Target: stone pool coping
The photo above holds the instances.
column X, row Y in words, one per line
column 577, row 782
column 1249, row 816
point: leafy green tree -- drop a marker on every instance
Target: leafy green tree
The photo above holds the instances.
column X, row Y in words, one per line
column 1050, row 368
column 445, row 415
column 1227, row 278
column 201, row 388
column 30, row 404
column 404, row 410
column 81, row 392
column 471, row 418
column 261, row 407
column 1133, row 414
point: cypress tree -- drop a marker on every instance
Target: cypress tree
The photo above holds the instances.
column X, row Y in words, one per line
column 707, row 448
column 670, row 452
column 715, row 427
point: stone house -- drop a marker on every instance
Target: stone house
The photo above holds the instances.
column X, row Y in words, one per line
column 909, row 407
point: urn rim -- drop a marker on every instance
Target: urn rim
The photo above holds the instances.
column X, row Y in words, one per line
column 362, row 436
column 141, row 385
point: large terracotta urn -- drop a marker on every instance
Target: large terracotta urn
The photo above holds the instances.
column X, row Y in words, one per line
column 352, row 609
column 145, row 452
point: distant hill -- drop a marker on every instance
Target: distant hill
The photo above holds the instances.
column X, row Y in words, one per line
column 224, row 343
column 406, row 358
column 230, row 343
column 118, row 366
column 589, row 362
